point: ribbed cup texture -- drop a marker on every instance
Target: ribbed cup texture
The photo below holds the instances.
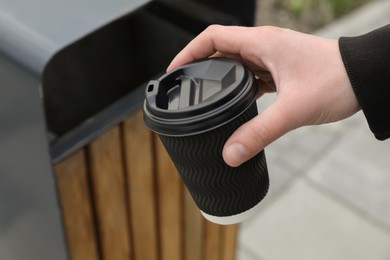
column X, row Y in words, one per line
column 218, row 189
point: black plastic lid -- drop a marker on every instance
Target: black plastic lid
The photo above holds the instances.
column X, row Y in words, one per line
column 198, row 97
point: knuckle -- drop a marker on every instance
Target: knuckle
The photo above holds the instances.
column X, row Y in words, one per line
column 212, row 28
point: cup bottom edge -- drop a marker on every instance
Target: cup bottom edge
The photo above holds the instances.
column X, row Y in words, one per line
column 233, row 219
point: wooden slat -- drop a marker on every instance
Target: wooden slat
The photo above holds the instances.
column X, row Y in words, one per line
column 77, row 214
column 229, row 242
column 164, row 221
column 193, row 229
column 108, row 182
column 141, row 188
column 170, row 205
column 212, row 241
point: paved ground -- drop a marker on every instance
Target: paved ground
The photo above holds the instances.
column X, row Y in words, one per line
column 330, row 185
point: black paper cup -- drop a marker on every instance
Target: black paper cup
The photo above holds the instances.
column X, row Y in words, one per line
column 194, row 110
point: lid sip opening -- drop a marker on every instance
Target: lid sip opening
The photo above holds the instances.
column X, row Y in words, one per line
column 198, row 96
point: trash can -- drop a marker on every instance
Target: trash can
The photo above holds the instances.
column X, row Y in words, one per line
column 81, row 176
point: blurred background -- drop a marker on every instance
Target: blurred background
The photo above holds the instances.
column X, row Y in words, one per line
column 112, row 194
column 304, row 15
column 329, row 193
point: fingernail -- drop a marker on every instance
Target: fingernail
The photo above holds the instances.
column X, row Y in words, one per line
column 237, row 154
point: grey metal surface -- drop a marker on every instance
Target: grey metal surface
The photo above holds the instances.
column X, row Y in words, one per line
column 50, row 78
column 30, row 224
column 31, row 32
column 83, row 134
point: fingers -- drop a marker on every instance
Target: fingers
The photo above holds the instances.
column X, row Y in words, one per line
column 216, row 38
column 253, row 136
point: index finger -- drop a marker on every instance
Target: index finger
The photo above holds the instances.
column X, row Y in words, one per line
column 216, row 38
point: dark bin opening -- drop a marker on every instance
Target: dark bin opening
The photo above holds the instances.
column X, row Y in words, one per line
column 96, row 82
column 92, row 73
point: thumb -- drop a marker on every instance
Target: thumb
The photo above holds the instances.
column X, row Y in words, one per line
column 254, row 135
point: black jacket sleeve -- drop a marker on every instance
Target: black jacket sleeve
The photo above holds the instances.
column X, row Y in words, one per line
column 367, row 61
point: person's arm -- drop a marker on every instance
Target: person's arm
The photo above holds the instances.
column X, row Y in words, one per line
column 367, row 61
column 306, row 71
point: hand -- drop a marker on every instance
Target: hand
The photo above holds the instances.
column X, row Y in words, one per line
column 306, row 71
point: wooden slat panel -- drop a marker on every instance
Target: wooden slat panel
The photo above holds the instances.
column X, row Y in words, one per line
column 170, row 204
column 108, row 182
column 193, row 229
column 229, row 242
column 141, row 188
column 77, row 214
column 212, row 241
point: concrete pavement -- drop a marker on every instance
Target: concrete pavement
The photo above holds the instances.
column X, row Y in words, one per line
column 330, row 185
